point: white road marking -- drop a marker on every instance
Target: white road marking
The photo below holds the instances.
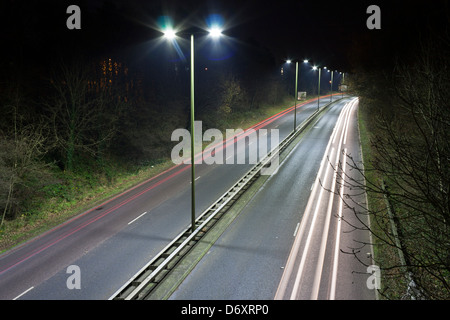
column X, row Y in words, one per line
column 338, row 235
column 136, row 218
column 296, row 229
column 29, row 289
column 326, row 225
column 195, row 179
column 325, row 232
column 308, row 240
column 340, row 129
column 285, row 279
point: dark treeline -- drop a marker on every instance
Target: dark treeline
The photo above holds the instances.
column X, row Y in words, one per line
column 401, row 76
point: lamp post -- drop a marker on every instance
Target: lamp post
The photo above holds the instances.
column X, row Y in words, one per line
column 342, row 82
column 192, row 139
column 318, row 87
column 295, row 95
column 296, row 91
column 170, row 35
column 331, row 87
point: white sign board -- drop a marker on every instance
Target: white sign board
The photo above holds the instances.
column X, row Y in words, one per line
column 301, row 95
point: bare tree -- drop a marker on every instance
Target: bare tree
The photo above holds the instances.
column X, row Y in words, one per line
column 410, row 153
column 83, row 112
column 22, row 149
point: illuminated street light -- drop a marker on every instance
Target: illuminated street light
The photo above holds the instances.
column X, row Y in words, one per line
column 331, row 86
column 215, row 32
column 289, row 61
column 296, row 89
column 169, row 34
column 318, row 88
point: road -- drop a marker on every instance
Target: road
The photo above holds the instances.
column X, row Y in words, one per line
column 111, row 242
column 288, row 242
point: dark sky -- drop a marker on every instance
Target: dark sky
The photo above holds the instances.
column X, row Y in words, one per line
column 324, row 31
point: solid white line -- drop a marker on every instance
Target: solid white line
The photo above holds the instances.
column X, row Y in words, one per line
column 136, row 218
column 338, row 235
column 285, row 279
column 29, row 289
column 340, row 119
column 195, row 179
column 326, row 227
column 348, row 120
column 308, row 240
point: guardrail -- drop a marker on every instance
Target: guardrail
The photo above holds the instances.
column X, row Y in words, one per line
column 148, row 277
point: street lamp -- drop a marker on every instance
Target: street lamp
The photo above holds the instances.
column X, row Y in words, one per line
column 318, row 88
column 296, row 90
column 215, row 32
column 342, row 83
column 295, row 95
column 331, row 87
column 170, row 34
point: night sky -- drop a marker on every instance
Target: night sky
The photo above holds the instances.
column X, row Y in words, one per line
column 325, row 32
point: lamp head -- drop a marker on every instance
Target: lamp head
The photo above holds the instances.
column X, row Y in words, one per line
column 215, row 32
column 169, row 34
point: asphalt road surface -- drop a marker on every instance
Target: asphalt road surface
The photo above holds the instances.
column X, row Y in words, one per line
column 108, row 244
column 295, row 238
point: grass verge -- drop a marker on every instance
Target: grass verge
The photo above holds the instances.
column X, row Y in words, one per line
column 384, row 254
column 85, row 192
